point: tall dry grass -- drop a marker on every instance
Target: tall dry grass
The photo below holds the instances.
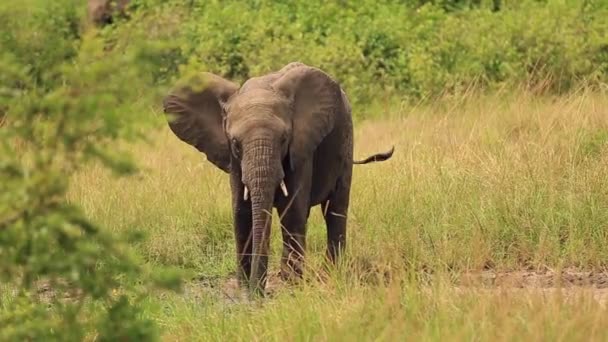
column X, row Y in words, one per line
column 504, row 182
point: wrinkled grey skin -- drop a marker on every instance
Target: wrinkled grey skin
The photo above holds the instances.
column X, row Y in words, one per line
column 293, row 125
column 103, row 12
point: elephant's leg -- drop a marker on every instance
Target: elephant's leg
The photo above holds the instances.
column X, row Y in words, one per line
column 293, row 227
column 242, row 232
column 335, row 210
column 293, row 212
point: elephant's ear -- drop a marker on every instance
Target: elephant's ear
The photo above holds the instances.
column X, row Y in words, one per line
column 194, row 110
column 315, row 98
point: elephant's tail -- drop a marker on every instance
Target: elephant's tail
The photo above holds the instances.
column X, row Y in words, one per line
column 376, row 157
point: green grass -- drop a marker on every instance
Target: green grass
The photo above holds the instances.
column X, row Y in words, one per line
column 505, row 182
column 396, row 312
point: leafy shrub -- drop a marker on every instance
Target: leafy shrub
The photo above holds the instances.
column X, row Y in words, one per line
column 65, row 102
column 414, row 49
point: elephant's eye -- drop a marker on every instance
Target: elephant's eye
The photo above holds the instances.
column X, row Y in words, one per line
column 236, row 148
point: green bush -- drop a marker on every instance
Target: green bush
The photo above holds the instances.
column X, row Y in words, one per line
column 65, row 103
column 407, row 49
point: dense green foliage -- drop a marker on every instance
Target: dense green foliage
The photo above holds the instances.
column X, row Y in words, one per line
column 411, row 49
column 64, row 101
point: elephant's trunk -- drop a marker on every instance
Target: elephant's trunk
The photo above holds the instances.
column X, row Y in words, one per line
column 262, row 173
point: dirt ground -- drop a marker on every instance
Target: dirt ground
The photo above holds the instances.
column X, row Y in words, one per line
column 569, row 282
column 537, row 279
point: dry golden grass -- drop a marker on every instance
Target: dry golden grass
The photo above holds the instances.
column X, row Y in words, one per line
column 503, row 182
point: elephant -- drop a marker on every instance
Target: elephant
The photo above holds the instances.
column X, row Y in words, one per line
column 286, row 140
column 103, row 12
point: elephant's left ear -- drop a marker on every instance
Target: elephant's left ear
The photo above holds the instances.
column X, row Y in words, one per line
column 194, row 108
column 315, row 99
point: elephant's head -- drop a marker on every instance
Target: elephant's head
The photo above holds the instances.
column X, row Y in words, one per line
column 257, row 132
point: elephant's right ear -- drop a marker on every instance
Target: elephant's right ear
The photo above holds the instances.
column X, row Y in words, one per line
column 194, row 110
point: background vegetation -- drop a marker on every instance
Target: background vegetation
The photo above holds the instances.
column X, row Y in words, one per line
column 497, row 108
column 384, row 49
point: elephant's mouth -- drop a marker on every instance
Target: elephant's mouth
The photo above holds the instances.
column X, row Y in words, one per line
column 249, row 181
column 281, row 185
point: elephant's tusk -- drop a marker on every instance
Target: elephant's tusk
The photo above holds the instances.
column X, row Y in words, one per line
column 246, row 193
column 284, row 188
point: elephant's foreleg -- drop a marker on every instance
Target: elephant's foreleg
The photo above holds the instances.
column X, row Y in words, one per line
column 293, row 227
column 335, row 211
column 294, row 211
column 242, row 232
